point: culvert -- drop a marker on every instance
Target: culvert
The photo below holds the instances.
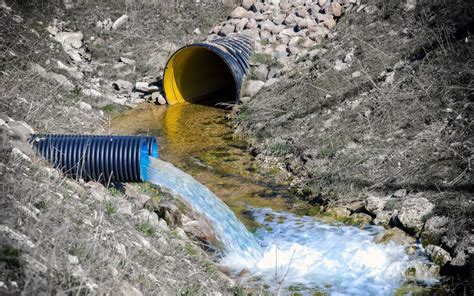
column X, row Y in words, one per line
column 209, row 72
column 100, row 158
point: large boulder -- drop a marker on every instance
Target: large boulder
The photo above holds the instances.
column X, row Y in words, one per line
column 413, row 210
column 435, row 228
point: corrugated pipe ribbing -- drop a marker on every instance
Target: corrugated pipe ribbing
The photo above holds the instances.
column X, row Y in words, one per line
column 101, row 158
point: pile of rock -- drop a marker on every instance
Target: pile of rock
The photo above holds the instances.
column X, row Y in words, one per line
column 283, row 30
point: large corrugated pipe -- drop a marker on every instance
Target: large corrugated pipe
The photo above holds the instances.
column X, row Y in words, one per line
column 208, row 72
column 98, row 157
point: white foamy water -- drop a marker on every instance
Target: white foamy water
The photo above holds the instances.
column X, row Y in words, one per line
column 292, row 252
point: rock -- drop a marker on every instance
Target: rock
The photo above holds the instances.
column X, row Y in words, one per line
column 395, row 235
column 261, row 72
column 197, row 31
column 302, row 12
column 200, row 230
column 322, row 2
column 89, row 92
column 18, row 154
column 400, row 193
column 339, row 213
column 73, row 260
column 20, row 130
column 68, row 4
column 61, row 80
column 438, row 255
column 84, row 106
column 227, row 29
column 71, row 70
column 247, row 4
column 320, row 17
column 120, row 22
column 340, row 66
column 356, row 74
column 333, row 8
column 251, row 24
column 267, row 25
column 279, row 19
column 142, row 86
column 98, row 43
column 292, row 20
column 330, row 23
column 374, row 204
column 170, row 213
column 253, row 87
column 127, row 61
column 70, row 39
column 318, row 33
column 241, row 25
column 360, row 219
column 382, row 218
column 434, row 229
column 271, row 82
column 163, row 226
column 122, row 85
column 179, row 232
column 145, row 216
column 413, row 208
column 238, row 12
column 158, row 98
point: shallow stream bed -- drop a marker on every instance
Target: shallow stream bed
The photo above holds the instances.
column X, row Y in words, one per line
column 299, row 252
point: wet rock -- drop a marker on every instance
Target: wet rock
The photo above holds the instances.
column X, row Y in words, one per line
column 120, row 22
column 253, row 87
column 170, row 213
column 438, row 255
column 200, row 230
column 360, row 219
column 395, row 235
column 413, row 209
column 339, row 213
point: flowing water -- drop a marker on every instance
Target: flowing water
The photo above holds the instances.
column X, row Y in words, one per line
column 287, row 253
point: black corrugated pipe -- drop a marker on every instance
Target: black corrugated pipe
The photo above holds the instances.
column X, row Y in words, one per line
column 101, row 158
column 208, row 72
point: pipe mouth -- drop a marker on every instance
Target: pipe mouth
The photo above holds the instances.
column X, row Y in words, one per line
column 198, row 74
column 148, row 149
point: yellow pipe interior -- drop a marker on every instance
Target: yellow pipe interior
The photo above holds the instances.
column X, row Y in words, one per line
column 198, row 75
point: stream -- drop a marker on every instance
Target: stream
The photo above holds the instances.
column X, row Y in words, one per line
column 269, row 241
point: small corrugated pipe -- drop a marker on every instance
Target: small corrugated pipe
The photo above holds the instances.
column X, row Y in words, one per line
column 103, row 158
column 208, row 72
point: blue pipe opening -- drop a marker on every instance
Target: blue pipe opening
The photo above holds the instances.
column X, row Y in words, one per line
column 100, row 158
